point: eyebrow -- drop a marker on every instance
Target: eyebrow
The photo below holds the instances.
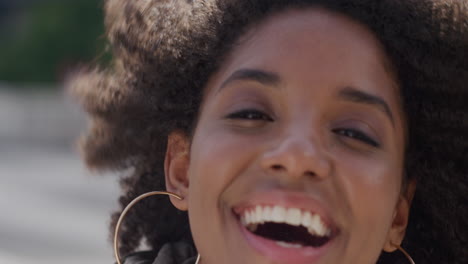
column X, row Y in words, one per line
column 262, row 77
column 358, row 96
column 273, row 79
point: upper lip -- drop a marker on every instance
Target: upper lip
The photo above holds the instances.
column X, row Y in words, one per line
column 288, row 199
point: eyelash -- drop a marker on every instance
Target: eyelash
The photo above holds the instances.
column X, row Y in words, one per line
column 256, row 115
column 250, row 114
column 357, row 135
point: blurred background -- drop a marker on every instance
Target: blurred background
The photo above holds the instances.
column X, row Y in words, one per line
column 51, row 209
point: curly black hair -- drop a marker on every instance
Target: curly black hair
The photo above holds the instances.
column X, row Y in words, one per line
column 165, row 51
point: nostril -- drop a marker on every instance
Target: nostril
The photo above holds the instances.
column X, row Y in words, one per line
column 309, row 173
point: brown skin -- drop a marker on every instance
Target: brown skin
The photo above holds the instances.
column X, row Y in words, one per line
column 293, row 141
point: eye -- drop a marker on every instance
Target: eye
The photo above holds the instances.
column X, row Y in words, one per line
column 250, row 114
column 357, row 135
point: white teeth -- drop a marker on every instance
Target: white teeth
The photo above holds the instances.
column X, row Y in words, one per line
column 319, row 227
column 267, row 212
column 258, row 214
column 293, row 216
column 253, row 218
column 306, row 219
column 278, row 214
column 288, row 245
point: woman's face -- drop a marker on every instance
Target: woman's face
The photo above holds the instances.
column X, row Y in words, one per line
column 297, row 156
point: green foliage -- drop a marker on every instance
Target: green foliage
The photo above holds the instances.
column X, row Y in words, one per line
column 53, row 36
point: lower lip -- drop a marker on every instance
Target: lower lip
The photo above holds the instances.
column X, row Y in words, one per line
column 279, row 254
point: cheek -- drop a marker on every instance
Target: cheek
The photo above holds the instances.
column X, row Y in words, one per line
column 371, row 187
column 217, row 159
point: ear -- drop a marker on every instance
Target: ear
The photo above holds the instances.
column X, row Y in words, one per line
column 176, row 166
column 400, row 218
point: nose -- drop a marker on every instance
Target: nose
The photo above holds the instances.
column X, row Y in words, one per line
column 297, row 157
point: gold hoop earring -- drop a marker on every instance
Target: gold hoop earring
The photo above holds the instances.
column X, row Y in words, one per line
column 405, row 253
column 124, row 212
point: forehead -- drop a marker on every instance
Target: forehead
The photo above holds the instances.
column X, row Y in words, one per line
column 317, row 52
column 312, row 42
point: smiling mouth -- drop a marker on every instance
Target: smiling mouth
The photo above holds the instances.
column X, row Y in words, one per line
column 288, row 227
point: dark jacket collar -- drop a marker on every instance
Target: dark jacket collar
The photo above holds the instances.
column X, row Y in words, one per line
column 171, row 253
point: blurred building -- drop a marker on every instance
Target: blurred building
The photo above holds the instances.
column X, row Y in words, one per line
column 52, row 209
